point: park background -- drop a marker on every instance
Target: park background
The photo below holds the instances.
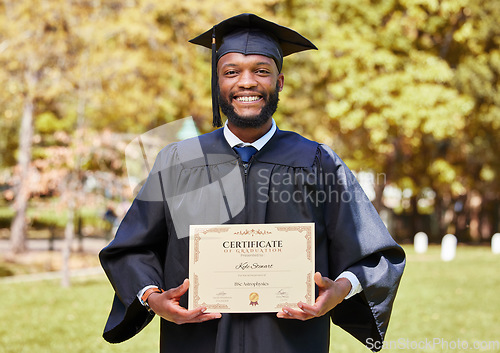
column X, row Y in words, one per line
column 405, row 91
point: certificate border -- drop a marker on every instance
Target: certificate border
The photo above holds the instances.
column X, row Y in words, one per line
column 197, row 238
column 196, row 297
column 308, row 229
column 196, row 257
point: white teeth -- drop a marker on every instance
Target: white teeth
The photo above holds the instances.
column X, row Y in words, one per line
column 247, row 99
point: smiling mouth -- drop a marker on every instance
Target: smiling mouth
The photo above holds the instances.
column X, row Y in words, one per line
column 247, row 99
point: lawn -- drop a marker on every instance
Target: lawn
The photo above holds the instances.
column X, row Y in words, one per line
column 441, row 307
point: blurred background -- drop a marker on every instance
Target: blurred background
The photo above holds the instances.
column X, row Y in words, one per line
column 405, row 91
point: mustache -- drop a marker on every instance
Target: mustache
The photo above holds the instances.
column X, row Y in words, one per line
column 267, row 111
column 246, row 91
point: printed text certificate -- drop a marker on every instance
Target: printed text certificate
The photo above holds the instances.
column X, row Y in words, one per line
column 249, row 268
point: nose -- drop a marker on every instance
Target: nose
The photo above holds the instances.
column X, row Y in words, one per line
column 247, row 80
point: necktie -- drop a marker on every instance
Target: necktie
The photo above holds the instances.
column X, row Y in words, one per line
column 245, row 152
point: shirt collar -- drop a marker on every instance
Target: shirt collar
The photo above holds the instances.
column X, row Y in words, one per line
column 234, row 140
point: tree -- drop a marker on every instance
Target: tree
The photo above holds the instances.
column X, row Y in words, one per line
column 397, row 88
column 405, row 89
column 38, row 50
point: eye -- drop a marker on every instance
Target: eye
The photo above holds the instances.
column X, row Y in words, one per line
column 263, row 71
column 230, row 73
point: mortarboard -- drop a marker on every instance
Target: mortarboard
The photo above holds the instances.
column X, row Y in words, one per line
column 248, row 34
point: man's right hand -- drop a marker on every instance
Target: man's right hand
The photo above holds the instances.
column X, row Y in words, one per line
column 167, row 306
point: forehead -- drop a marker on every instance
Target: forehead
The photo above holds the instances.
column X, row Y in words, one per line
column 231, row 59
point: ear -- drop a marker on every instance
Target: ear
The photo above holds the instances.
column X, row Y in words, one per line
column 281, row 81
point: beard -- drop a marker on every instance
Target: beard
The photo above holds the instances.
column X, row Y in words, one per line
column 253, row 121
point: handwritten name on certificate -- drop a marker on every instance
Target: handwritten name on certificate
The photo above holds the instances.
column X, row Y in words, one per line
column 251, row 268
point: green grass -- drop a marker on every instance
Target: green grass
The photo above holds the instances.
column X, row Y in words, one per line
column 456, row 301
column 42, row 317
column 446, row 301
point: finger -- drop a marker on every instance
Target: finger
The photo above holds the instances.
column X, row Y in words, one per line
column 312, row 310
column 180, row 315
column 321, row 281
column 289, row 313
column 318, row 279
column 179, row 290
column 196, row 315
column 193, row 313
column 205, row 317
column 284, row 314
column 295, row 315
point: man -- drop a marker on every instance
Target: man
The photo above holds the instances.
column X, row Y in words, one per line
column 281, row 178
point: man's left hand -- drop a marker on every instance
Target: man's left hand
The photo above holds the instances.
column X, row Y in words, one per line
column 330, row 294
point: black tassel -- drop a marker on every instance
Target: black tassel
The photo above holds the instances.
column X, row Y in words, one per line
column 217, row 121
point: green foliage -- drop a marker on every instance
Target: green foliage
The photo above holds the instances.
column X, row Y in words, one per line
column 5, row 271
column 49, row 123
column 46, row 215
column 6, row 215
column 399, row 87
column 396, row 87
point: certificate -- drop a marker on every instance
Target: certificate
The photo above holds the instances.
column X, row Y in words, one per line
column 251, row 268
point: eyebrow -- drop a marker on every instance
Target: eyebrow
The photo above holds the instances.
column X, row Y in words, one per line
column 256, row 64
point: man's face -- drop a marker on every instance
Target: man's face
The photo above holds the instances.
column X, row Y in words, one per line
column 249, row 87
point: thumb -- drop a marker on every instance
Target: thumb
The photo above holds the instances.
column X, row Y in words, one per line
column 180, row 290
column 319, row 280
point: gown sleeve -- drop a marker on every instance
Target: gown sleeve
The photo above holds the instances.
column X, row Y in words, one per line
column 359, row 242
column 134, row 258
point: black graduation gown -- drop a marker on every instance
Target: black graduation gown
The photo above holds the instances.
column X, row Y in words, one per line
column 291, row 179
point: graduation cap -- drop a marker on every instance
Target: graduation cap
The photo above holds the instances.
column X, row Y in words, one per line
column 248, row 34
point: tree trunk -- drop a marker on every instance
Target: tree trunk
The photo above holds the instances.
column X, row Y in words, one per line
column 69, row 234
column 18, row 226
column 496, row 216
column 73, row 190
column 379, row 195
column 462, row 210
column 475, row 202
column 414, row 215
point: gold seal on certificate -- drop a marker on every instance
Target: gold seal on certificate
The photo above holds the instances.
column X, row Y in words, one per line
column 251, row 268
